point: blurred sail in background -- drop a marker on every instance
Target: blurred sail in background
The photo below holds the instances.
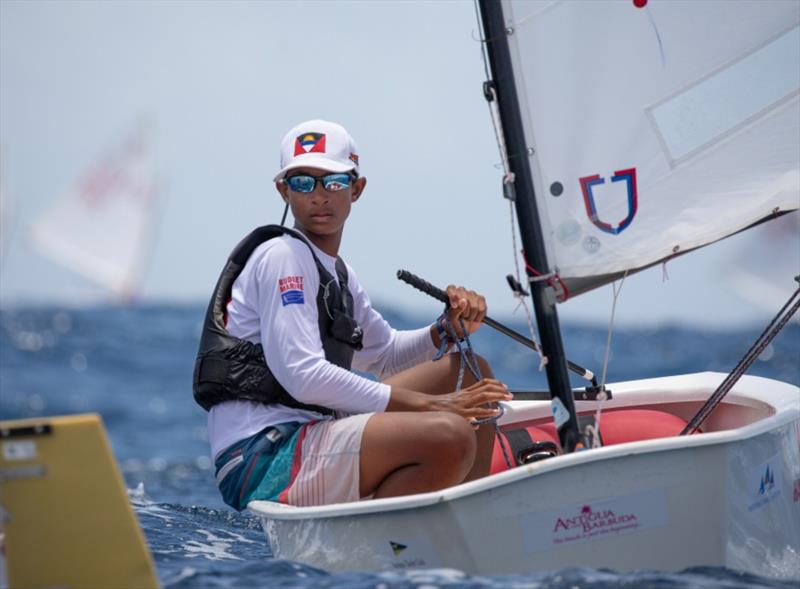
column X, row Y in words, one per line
column 103, row 228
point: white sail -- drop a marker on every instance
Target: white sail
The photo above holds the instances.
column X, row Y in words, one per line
column 101, row 227
column 655, row 127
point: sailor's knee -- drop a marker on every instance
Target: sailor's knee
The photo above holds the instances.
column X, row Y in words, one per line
column 455, row 438
column 483, row 364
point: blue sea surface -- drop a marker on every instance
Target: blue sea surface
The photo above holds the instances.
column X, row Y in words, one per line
column 133, row 365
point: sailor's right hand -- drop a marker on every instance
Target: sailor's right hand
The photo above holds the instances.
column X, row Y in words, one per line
column 477, row 401
column 467, row 306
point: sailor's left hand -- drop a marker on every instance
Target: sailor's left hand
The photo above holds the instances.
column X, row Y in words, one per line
column 467, row 305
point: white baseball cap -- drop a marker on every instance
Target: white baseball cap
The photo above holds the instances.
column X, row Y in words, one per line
column 318, row 144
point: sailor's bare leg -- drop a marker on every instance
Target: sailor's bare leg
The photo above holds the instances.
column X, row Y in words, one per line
column 440, row 377
column 395, row 450
column 408, row 452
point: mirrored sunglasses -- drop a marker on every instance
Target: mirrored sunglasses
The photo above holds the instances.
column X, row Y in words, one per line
column 331, row 182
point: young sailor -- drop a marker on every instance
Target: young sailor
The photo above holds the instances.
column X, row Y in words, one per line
column 288, row 420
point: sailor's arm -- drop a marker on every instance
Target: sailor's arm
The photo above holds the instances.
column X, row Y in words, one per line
column 470, row 403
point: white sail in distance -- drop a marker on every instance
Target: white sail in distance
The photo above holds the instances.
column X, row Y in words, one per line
column 102, row 228
column 654, row 127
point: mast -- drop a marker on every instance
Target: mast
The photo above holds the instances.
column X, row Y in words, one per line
column 495, row 34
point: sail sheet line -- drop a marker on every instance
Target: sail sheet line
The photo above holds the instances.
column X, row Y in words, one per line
column 616, row 289
column 592, row 430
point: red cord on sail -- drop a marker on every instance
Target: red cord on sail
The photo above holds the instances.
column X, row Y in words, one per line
column 555, row 278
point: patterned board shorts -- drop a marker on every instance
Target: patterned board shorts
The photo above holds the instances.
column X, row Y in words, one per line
column 315, row 463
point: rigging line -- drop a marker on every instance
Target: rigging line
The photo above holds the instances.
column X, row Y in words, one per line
column 736, row 374
column 508, row 183
column 494, row 114
column 525, row 19
column 508, row 191
column 467, row 358
column 508, row 188
column 482, row 40
column 553, row 279
column 463, row 346
column 593, row 431
column 616, row 292
column 768, row 330
column 763, row 340
column 503, row 443
column 521, row 302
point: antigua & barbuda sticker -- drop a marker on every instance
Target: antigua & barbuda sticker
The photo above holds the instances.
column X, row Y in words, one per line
column 595, row 520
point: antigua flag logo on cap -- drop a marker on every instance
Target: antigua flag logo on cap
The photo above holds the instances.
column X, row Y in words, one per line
column 309, row 143
column 318, row 144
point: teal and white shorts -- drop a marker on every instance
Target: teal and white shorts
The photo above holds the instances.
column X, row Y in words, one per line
column 315, row 463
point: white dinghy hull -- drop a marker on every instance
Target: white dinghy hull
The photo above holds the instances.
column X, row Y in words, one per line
column 728, row 497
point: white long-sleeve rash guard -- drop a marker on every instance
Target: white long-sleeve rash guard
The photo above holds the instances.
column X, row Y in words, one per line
column 274, row 302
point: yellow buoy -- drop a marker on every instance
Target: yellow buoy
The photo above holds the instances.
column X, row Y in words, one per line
column 64, row 508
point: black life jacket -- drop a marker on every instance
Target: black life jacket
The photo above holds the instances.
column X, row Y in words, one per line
column 232, row 369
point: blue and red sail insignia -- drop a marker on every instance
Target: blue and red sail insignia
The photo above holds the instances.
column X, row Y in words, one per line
column 309, row 143
column 587, row 185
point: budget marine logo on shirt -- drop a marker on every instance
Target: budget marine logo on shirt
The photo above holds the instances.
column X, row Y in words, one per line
column 291, row 290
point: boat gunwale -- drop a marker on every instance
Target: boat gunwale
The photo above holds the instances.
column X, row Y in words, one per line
column 784, row 413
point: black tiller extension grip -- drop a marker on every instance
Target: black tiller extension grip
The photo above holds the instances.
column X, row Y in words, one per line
column 423, row 285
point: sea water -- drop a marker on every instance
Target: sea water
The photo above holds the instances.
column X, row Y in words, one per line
column 133, row 365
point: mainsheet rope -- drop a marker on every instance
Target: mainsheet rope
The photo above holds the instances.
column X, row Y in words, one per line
column 466, row 357
column 463, row 345
column 447, row 336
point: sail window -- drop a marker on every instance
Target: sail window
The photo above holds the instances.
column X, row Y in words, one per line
column 730, row 98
